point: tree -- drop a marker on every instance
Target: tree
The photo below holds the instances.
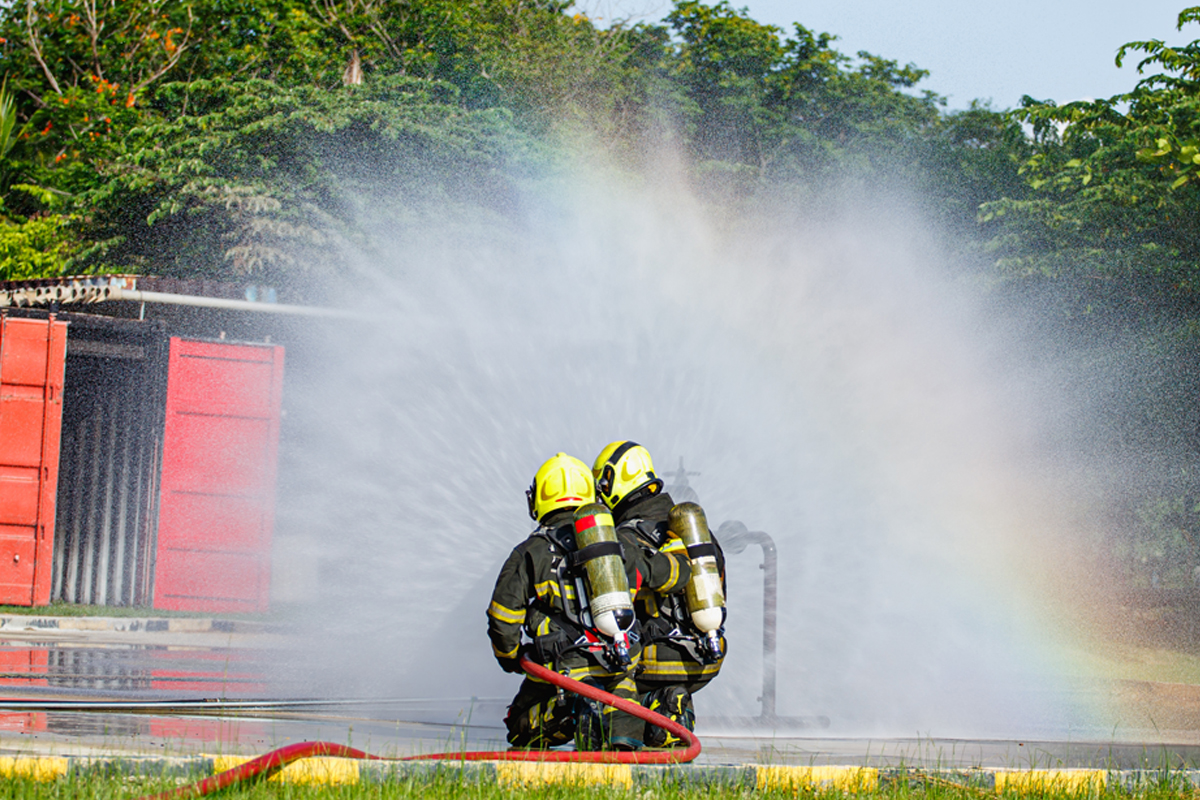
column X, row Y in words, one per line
column 792, row 109
column 212, row 129
column 276, row 182
column 1113, row 214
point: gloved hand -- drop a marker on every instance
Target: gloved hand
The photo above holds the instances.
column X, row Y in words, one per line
column 514, row 664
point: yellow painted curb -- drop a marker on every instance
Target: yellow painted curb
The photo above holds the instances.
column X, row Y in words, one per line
column 847, row 779
column 327, row 770
column 1062, row 780
column 532, row 773
column 42, row 768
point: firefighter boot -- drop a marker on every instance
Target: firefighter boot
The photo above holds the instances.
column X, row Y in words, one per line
column 538, row 719
column 674, row 703
column 593, row 728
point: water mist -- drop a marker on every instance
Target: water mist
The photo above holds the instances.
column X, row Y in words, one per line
column 831, row 380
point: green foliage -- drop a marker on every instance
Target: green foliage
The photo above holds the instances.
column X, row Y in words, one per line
column 215, row 137
column 262, row 179
column 1167, row 104
column 725, row 61
column 1164, row 546
column 1113, row 207
column 37, row 248
column 241, row 138
column 793, row 109
column 57, row 45
column 972, row 157
column 1105, row 234
column 9, row 134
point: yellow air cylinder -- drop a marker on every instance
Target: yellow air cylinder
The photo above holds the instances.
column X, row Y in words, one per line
column 608, row 597
column 705, row 598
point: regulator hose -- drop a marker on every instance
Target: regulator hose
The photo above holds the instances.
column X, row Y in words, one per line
column 277, row 759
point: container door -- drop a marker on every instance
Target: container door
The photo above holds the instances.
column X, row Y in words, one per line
column 32, row 354
column 217, row 507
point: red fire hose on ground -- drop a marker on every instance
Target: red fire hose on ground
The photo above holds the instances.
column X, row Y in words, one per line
column 277, row 759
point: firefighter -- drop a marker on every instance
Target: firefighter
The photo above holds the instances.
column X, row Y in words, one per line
column 538, row 593
column 678, row 658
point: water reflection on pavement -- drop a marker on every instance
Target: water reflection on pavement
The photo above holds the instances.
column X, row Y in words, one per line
column 191, row 694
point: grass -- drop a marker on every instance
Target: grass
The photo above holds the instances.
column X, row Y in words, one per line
column 60, row 609
column 918, row 787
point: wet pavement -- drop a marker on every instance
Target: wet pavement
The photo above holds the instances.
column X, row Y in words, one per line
column 80, row 691
column 152, row 690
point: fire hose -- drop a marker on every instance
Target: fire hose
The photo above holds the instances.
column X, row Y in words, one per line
column 277, row 759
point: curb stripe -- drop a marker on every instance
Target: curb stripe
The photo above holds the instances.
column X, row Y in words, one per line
column 38, row 768
column 846, row 779
column 533, row 773
column 330, row 770
column 1051, row 780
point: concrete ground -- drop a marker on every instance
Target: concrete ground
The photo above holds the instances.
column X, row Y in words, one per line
column 188, row 691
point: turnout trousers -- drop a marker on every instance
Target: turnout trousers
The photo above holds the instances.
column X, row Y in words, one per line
column 540, row 717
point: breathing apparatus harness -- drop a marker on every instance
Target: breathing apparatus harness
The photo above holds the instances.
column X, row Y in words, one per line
column 576, row 629
column 676, row 624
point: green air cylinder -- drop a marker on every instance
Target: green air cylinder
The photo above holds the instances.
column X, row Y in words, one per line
column 705, row 599
column 597, row 547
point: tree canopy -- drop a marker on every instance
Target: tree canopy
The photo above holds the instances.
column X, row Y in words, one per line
column 221, row 133
column 1112, row 201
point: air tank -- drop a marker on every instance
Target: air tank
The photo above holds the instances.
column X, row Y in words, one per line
column 705, row 597
column 608, row 597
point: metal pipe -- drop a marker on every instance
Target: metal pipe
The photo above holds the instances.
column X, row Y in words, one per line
column 734, row 537
column 139, row 296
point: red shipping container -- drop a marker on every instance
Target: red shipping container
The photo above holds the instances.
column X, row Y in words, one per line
column 217, row 506
column 32, row 358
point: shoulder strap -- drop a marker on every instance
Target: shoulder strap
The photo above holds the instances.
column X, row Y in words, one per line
column 586, row 554
column 556, row 547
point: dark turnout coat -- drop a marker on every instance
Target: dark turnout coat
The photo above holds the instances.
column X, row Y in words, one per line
column 537, row 597
column 670, row 643
column 536, row 593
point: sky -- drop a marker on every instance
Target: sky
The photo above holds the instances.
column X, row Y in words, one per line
column 1058, row 50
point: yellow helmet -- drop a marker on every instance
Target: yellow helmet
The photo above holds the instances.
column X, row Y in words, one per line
column 625, row 473
column 562, row 482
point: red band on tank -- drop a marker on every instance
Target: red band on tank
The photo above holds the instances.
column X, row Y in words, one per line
column 585, row 523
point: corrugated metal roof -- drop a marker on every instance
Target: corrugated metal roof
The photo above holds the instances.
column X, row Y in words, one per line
column 87, row 289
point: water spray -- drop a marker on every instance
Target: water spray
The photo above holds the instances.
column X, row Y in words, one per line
column 276, row 760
